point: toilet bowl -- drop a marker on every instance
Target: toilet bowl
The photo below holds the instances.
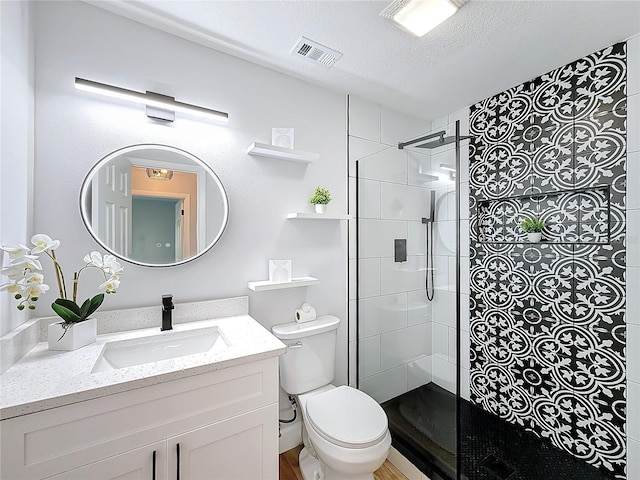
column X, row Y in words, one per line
column 345, row 431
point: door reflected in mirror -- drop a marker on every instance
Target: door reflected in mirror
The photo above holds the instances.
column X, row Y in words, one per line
column 154, row 205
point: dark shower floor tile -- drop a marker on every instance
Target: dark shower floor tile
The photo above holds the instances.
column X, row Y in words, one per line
column 423, row 427
column 531, row 458
column 491, row 448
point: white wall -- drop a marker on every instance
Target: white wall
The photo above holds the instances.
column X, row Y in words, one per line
column 633, row 257
column 16, row 137
column 394, row 317
column 76, row 129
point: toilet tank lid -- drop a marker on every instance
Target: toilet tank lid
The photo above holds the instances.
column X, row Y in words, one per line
column 322, row 324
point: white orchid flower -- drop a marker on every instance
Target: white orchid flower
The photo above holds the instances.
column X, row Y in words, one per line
column 16, row 251
column 110, row 285
column 111, row 265
column 34, row 278
column 14, row 273
column 12, row 288
column 35, row 290
column 26, row 283
column 27, row 262
column 94, row 259
column 43, row 242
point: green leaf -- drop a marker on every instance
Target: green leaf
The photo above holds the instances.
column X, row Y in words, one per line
column 69, row 304
column 95, row 304
column 84, row 309
column 64, row 313
column 532, row 224
column 320, row 196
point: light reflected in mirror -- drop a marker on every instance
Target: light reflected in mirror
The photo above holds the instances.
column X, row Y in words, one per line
column 154, row 205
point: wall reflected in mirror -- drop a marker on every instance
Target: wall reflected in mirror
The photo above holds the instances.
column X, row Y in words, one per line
column 154, row 205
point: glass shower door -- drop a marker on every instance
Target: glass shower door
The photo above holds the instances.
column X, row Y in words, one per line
column 407, row 298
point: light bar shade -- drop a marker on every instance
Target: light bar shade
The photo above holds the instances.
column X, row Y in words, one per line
column 149, row 98
column 420, row 16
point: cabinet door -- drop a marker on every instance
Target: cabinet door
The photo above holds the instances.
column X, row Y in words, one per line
column 244, row 447
column 146, row 463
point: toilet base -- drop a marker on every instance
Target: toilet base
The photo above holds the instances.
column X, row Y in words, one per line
column 312, row 469
column 309, row 466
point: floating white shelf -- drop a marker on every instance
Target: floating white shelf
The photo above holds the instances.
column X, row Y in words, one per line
column 295, row 282
column 316, row 216
column 281, row 153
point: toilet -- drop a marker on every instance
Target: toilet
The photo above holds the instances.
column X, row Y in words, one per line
column 345, row 431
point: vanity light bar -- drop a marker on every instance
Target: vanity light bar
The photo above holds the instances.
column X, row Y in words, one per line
column 449, row 168
column 149, row 99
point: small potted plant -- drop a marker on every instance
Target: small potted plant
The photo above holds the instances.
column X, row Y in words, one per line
column 26, row 284
column 320, row 198
column 533, row 227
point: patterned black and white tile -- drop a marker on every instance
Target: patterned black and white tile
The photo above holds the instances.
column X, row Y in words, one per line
column 547, row 320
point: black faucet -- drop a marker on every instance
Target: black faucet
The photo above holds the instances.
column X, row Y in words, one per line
column 167, row 306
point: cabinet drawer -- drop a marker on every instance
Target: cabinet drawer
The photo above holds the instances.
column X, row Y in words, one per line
column 46, row 443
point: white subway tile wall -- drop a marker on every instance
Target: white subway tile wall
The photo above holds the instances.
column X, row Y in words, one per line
column 400, row 331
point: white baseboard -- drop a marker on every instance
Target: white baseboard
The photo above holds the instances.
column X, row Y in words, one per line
column 291, row 435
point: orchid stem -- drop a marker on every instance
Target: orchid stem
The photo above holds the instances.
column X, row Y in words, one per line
column 76, row 276
column 62, row 288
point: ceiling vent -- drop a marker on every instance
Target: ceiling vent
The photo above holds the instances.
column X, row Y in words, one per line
column 316, row 52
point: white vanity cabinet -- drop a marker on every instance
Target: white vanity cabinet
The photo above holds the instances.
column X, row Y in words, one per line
column 144, row 463
column 224, row 424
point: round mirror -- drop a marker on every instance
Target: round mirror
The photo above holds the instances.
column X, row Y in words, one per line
column 154, row 205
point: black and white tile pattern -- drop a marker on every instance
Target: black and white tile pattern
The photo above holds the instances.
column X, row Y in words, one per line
column 547, row 321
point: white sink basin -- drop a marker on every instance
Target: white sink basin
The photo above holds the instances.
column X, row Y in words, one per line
column 166, row 346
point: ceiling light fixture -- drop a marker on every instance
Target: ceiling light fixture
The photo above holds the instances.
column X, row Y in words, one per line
column 420, row 16
column 158, row 106
column 159, row 173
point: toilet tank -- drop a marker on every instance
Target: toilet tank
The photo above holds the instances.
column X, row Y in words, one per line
column 310, row 358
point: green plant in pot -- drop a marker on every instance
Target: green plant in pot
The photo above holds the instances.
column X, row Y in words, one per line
column 533, row 227
column 26, row 284
column 320, row 198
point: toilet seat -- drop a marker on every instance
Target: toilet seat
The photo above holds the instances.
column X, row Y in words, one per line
column 347, row 417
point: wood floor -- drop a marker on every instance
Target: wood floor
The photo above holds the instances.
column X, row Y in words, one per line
column 290, row 470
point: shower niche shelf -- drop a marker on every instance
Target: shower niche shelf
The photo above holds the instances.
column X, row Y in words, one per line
column 295, row 282
column 579, row 216
column 281, row 153
column 315, row 216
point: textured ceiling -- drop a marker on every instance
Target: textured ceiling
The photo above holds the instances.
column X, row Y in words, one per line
column 487, row 47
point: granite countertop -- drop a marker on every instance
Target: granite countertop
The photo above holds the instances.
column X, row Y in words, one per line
column 46, row 379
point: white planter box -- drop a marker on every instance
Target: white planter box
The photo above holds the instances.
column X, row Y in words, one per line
column 77, row 336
